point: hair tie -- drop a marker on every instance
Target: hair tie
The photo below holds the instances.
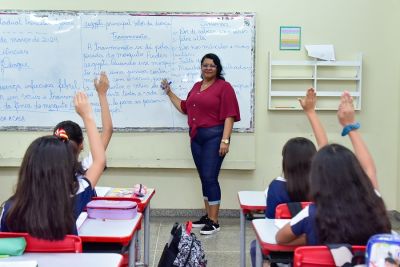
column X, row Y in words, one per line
column 61, row 134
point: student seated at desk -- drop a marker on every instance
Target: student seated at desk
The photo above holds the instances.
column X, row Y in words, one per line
column 42, row 204
column 347, row 206
column 297, row 155
column 87, row 186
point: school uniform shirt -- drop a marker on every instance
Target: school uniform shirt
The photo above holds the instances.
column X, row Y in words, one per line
column 87, row 161
column 277, row 194
column 210, row 107
column 84, row 194
column 304, row 223
column 4, row 212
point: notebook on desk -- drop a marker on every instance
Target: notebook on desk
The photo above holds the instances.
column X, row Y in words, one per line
column 120, row 192
column 117, row 192
column 281, row 222
column 102, row 191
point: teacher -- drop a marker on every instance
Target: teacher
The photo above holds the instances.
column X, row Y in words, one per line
column 212, row 108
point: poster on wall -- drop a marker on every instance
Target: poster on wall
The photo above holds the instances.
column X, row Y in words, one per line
column 290, row 38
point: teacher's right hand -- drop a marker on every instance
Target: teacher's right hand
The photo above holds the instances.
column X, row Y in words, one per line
column 165, row 85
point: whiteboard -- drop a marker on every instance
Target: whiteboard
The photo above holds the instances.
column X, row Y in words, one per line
column 45, row 57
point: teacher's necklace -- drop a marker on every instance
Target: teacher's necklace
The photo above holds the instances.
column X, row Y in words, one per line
column 205, row 85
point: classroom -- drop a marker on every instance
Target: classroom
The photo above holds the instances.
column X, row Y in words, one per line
column 162, row 159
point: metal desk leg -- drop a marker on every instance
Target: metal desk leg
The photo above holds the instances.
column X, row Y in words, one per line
column 132, row 251
column 242, row 239
column 258, row 255
column 146, row 235
column 138, row 249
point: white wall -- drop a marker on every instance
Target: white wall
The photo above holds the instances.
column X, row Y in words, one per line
column 352, row 26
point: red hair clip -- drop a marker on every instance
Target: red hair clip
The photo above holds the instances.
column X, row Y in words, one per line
column 61, row 134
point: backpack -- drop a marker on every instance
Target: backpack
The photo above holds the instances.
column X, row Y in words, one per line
column 383, row 250
column 183, row 249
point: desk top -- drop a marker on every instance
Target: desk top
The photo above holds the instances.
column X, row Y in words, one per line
column 252, row 200
column 116, row 231
column 125, row 193
column 67, row 259
column 266, row 230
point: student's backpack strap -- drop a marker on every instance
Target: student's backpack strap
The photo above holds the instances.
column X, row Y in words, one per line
column 344, row 257
column 294, row 208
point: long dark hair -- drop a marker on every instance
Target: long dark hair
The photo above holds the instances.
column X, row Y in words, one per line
column 43, row 202
column 348, row 207
column 297, row 155
column 217, row 63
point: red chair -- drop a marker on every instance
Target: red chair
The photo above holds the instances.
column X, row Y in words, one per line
column 71, row 243
column 282, row 210
column 313, row 256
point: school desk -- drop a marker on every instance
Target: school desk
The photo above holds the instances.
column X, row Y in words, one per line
column 112, row 231
column 266, row 230
column 249, row 201
column 143, row 207
column 66, row 259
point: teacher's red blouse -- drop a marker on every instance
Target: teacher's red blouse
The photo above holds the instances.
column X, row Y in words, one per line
column 210, row 107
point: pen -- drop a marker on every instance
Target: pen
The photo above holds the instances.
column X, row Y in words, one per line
column 163, row 87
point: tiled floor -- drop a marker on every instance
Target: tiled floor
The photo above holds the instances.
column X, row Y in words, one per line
column 221, row 249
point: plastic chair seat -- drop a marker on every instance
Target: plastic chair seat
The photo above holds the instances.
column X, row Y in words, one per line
column 312, row 256
column 71, row 243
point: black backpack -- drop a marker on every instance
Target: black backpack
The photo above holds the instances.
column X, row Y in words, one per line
column 183, row 249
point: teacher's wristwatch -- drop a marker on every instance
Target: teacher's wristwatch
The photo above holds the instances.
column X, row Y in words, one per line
column 225, row 141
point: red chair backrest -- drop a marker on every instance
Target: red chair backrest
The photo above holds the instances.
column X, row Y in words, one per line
column 313, row 256
column 71, row 243
column 282, row 210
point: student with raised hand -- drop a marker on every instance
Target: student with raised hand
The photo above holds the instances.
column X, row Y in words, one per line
column 297, row 154
column 74, row 132
column 42, row 204
column 343, row 187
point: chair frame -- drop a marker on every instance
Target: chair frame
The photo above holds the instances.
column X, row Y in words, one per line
column 312, row 256
column 71, row 243
column 282, row 210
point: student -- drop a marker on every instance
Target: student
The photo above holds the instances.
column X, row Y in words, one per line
column 347, row 206
column 42, row 204
column 74, row 133
column 297, row 155
column 73, row 129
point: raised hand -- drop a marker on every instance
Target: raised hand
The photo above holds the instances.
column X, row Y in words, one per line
column 102, row 84
column 346, row 112
column 309, row 101
column 82, row 105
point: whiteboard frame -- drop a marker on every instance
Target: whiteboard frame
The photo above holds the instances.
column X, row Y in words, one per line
column 139, row 13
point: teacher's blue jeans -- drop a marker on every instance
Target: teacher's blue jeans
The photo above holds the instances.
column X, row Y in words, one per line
column 205, row 151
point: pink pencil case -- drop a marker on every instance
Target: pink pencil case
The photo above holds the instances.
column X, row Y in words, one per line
column 111, row 209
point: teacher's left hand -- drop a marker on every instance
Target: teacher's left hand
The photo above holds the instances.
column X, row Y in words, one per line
column 223, row 149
